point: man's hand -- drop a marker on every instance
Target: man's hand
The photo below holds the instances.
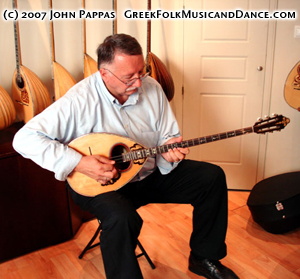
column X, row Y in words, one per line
column 97, row 167
column 176, row 154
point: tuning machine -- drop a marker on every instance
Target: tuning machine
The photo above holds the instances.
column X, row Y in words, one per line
column 259, row 119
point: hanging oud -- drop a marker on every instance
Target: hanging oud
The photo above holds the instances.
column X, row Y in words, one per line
column 130, row 156
column 63, row 80
column 156, row 67
column 7, row 109
column 30, row 95
column 90, row 65
column 114, row 23
column 292, row 87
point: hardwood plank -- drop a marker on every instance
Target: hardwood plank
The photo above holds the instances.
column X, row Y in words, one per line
column 252, row 252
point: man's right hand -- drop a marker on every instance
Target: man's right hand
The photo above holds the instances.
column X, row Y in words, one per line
column 97, row 167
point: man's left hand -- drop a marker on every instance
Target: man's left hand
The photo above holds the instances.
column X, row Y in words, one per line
column 175, row 154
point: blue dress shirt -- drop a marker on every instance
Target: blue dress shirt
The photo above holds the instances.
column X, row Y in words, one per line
column 88, row 107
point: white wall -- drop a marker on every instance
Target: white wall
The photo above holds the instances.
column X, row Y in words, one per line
column 282, row 151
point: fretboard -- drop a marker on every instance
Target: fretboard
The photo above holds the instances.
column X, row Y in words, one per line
column 149, row 29
column 153, row 151
column 17, row 44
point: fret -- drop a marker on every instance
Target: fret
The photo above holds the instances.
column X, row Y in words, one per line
column 133, row 155
column 174, row 145
column 239, row 132
column 184, row 144
column 139, row 154
column 230, row 134
column 148, row 152
column 160, row 149
column 209, row 139
column 215, row 137
column 223, row 136
column 202, row 140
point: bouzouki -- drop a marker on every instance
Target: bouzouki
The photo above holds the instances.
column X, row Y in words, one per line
column 114, row 24
column 29, row 94
column 292, row 87
column 130, row 156
column 90, row 65
column 156, row 67
column 63, row 80
column 7, row 109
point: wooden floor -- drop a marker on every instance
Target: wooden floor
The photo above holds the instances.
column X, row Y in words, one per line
column 252, row 252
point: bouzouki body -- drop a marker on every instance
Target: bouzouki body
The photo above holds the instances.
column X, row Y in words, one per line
column 63, row 80
column 29, row 94
column 292, row 87
column 90, row 65
column 156, row 67
column 130, row 156
column 7, row 109
column 109, row 146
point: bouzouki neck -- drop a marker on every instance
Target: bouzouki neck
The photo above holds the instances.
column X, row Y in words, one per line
column 149, row 30
column 114, row 23
column 149, row 152
column 17, row 46
column 270, row 124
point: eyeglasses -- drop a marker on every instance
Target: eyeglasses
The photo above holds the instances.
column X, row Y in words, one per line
column 131, row 81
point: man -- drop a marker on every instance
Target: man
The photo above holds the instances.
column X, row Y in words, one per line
column 121, row 99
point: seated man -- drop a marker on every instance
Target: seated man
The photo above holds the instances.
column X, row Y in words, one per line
column 121, row 99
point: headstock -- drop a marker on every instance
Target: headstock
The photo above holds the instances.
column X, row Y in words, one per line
column 270, row 124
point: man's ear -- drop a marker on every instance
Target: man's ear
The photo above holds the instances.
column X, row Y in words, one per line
column 102, row 72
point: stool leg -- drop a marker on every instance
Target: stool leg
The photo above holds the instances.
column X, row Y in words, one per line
column 89, row 245
column 144, row 253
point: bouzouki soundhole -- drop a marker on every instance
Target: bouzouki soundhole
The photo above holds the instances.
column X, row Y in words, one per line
column 116, row 151
column 20, row 82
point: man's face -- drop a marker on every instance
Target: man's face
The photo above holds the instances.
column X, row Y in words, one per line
column 123, row 69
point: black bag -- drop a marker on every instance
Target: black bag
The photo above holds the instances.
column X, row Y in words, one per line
column 275, row 203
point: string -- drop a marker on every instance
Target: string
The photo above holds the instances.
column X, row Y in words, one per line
column 188, row 143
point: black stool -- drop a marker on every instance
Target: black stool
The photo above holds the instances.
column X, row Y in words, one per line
column 90, row 245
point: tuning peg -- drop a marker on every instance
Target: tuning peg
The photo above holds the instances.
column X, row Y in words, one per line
column 267, row 117
column 259, row 119
column 274, row 114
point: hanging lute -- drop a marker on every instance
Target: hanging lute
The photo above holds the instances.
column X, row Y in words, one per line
column 292, row 87
column 7, row 109
column 114, row 24
column 63, row 80
column 130, row 156
column 29, row 94
column 156, row 67
column 90, row 65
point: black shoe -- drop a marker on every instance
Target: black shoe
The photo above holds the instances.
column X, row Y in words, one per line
column 211, row 269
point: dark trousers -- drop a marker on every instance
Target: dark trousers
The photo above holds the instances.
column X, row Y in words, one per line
column 200, row 184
